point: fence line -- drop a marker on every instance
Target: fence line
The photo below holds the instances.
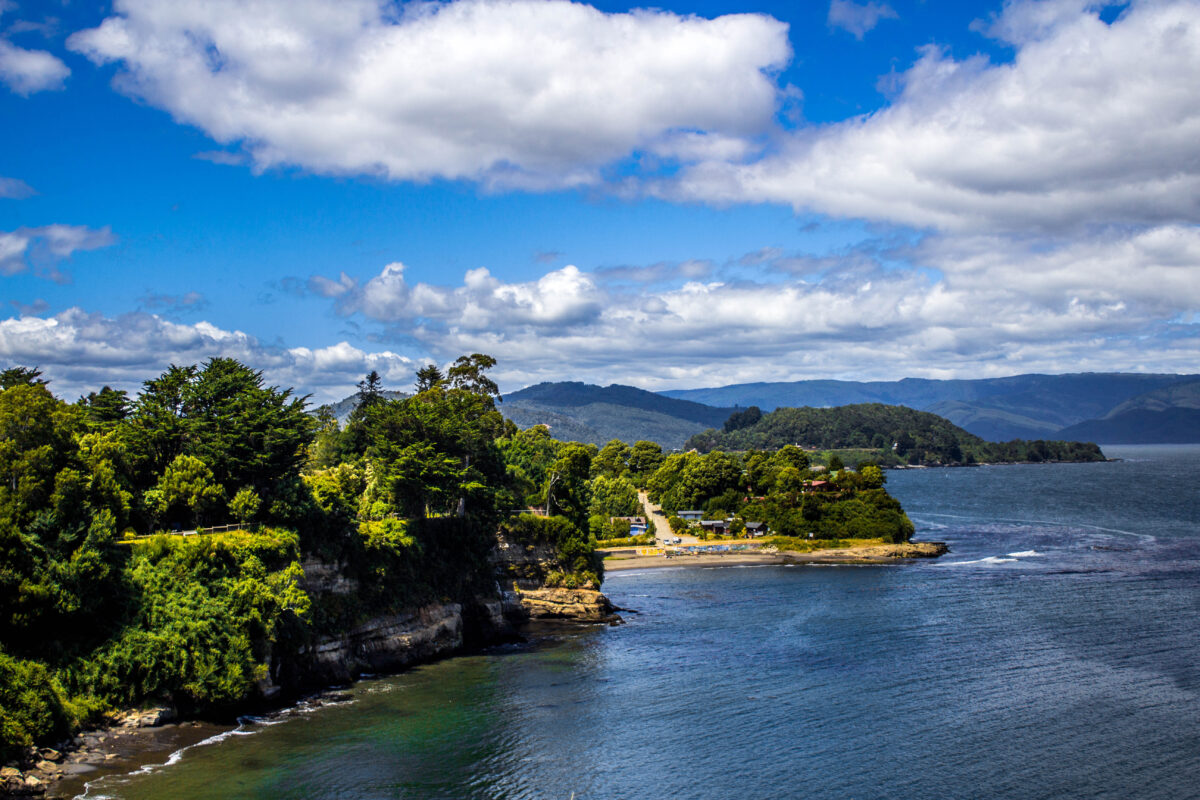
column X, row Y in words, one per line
column 252, row 527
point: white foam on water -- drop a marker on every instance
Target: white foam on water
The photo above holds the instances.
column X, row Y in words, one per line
column 177, row 756
column 988, row 560
column 1026, row 554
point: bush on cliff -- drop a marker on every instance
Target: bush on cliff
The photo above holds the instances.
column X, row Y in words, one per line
column 32, row 706
column 575, row 551
column 208, row 613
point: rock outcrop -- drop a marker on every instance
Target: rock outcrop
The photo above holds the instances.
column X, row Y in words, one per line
column 874, row 554
column 583, row 605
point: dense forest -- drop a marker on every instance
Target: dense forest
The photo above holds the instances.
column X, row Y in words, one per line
column 896, row 435
column 102, row 607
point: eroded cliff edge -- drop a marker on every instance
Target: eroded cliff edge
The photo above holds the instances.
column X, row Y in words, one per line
column 390, row 642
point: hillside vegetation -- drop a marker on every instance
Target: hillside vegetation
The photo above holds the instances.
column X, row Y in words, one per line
column 896, row 435
column 103, row 604
column 781, row 489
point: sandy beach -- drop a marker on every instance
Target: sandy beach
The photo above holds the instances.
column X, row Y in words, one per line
column 874, row 554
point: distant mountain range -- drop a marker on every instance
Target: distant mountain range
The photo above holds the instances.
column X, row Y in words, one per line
column 1109, row 408
column 342, row 408
column 1168, row 416
column 586, row 413
column 1000, row 409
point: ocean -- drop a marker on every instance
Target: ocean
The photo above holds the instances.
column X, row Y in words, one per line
column 1054, row 652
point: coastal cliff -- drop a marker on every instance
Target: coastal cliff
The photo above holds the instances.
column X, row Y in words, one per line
column 389, row 642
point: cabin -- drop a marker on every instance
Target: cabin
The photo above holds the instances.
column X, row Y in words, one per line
column 690, row 516
column 637, row 525
column 718, row 527
column 817, row 486
column 757, row 529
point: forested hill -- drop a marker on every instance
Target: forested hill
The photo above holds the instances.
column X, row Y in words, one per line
column 105, row 604
column 897, row 434
column 598, row 414
column 1019, row 406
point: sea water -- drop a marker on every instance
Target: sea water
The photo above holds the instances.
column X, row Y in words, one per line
column 1054, row 652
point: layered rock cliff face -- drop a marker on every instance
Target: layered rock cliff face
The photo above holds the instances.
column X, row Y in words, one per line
column 390, row 642
column 387, row 643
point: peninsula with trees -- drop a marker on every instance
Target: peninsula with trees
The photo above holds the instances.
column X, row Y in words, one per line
column 210, row 545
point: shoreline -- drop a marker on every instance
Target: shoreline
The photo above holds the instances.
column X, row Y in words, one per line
column 151, row 738
column 871, row 555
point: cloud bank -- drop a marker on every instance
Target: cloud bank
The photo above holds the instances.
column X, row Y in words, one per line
column 80, row 352
column 534, row 93
column 970, row 305
column 1091, row 124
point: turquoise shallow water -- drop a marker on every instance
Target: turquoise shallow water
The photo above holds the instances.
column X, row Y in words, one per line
column 1053, row 653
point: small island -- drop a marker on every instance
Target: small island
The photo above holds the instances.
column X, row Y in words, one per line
column 887, row 435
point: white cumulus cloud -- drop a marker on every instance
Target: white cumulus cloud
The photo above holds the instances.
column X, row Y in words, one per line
column 80, row 352
column 958, row 306
column 28, row 71
column 858, row 19
column 1090, row 124
column 43, row 248
column 511, row 92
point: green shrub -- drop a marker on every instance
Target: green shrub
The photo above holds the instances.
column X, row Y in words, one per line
column 33, row 709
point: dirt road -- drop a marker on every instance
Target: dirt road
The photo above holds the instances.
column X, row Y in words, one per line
column 660, row 521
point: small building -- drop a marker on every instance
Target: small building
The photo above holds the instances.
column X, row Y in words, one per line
column 757, row 529
column 817, row 486
column 690, row 516
column 720, row 527
column 637, row 525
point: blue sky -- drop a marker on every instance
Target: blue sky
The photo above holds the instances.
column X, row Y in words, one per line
column 692, row 195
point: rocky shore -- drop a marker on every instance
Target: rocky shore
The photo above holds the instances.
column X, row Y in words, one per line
column 386, row 643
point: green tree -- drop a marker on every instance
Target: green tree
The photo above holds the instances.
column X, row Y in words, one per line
column 326, row 450
column 612, row 497
column 244, row 505
column 188, row 492
column 468, row 374
column 530, row 453
column 37, row 440
column 612, row 460
column 103, row 410
column 428, row 377
column 872, row 476
column 567, row 485
column 743, row 419
column 370, row 389
column 789, row 482
column 644, row 458
column 20, row 376
column 791, row 456
column 246, row 433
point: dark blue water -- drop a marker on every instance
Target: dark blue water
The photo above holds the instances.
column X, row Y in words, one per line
column 1053, row 653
